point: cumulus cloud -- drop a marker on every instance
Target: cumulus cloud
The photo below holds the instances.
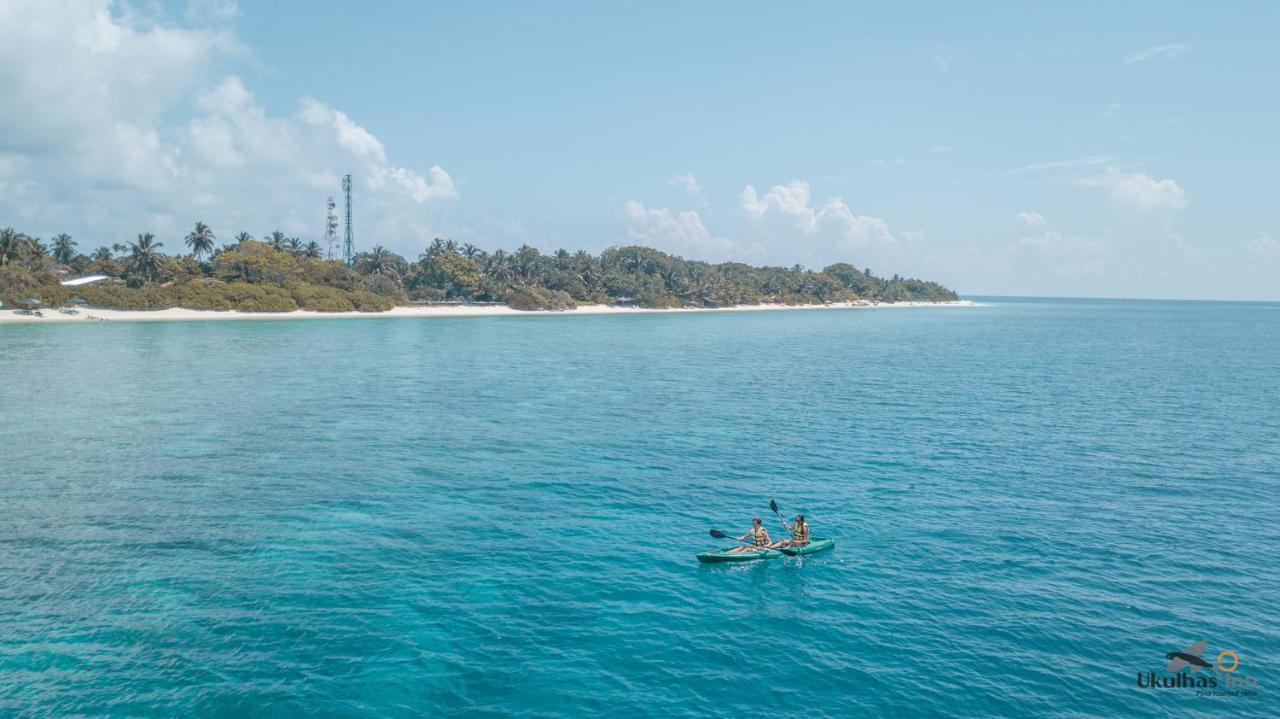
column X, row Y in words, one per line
column 687, row 182
column 1031, row 220
column 133, row 125
column 1158, row 52
column 684, row 234
column 1138, row 190
column 794, row 201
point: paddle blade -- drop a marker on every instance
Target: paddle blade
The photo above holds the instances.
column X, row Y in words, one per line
column 718, row 534
column 773, row 504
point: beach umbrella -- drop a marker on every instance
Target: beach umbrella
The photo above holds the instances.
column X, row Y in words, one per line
column 29, row 301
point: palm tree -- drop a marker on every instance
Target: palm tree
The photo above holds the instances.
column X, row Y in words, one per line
column 11, row 242
column 144, row 256
column 64, row 248
column 102, row 253
column 33, row 250
column 294, row 246
column 380, row 261
column 470, row 251
column 243, row 237
column 436, row 247
column 201, row 240
column 277, row 240
column 312, row 249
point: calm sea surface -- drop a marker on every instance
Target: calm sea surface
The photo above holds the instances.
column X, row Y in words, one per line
column 1034, row 502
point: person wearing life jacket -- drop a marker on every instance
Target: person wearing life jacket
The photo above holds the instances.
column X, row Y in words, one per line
column 758, row 536
column 799, row 532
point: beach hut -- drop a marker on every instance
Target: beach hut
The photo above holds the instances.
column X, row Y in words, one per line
column 29, row 306
column 625, row 302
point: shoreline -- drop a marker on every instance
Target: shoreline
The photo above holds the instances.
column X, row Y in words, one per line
column 180, row 314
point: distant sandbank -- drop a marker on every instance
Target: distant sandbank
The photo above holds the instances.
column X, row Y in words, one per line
column 182, row 314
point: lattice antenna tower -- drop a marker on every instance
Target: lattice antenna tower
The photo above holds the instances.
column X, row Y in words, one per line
column 349, row 241
column 331, row 230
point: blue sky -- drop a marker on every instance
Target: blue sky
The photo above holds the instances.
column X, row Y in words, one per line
column 1000, row 148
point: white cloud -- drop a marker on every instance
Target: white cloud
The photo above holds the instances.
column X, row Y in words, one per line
column 682, row 233
column 688, row 182
column 793, row 200
column 1158, row 52
column 1138, row 190
column 127, row 128
column 1031, row 220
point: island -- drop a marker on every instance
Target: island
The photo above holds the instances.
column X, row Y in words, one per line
column 280, row 274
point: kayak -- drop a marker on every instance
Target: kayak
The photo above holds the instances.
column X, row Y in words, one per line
column 817, row 544
column 712, row 556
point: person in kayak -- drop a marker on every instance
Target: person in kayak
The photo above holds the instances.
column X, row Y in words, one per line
column 758, row 536
column 799, row 532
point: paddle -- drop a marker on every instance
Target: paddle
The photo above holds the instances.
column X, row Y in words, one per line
column 721, row 535
column 773, row 504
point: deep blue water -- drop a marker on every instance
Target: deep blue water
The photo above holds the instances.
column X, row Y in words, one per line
column 1034, row 502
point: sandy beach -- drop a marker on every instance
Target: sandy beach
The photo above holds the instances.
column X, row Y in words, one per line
column 182, row 314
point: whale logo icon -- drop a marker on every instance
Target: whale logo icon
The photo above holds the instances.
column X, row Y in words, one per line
column 1189, row 657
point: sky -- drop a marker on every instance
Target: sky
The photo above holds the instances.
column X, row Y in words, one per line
column 999, row 148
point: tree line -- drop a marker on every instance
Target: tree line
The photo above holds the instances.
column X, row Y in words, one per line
column 280, row 273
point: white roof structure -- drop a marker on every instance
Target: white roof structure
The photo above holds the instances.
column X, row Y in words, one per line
column 90, row 279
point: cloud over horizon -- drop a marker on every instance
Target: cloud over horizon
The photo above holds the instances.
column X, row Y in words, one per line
column 132, row 126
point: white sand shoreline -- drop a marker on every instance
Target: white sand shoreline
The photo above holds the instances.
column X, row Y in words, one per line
column 182, row 314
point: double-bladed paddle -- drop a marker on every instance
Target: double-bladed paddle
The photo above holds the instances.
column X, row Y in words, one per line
column 773, row 504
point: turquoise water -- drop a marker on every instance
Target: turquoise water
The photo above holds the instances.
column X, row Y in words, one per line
column 1034, row 502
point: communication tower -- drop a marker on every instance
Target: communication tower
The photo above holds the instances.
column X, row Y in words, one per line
column 331, row 231
column 349, row 242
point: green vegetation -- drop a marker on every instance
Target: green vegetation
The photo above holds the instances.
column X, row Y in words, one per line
column 283, row 273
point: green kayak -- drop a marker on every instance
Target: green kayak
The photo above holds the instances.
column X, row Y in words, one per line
column 817, row 544
column 727, row 555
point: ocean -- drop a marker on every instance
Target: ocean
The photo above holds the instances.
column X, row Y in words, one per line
column 1034, row 501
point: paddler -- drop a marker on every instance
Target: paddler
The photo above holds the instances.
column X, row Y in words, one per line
column 800, row 532
column 758, row 536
